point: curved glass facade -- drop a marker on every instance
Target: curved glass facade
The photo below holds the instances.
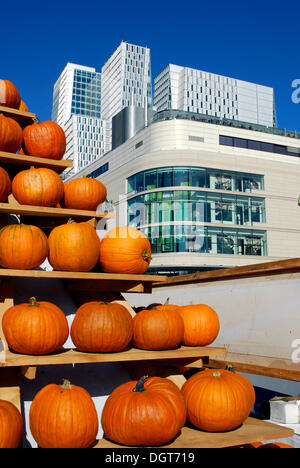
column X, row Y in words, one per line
column 204, row 239
column 181, row 219
column 195, row 206
column 194, row 177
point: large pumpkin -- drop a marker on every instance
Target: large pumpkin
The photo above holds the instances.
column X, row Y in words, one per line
column 84, row 193
column 38, row 187
column 22, row 247
column 44, row 140
column 101, row 327
column 201, row 324
column 73, row 247
column 63, row 416
column 5, row 185
column 157, row 329
column 35, row 328
column 9, row 95
column 125, row 250
column 144, row 413
column 11, row 135
column 218, row 400
column 11, row 425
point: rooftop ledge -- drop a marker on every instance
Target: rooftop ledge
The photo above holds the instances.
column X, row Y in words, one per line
column 184, row 115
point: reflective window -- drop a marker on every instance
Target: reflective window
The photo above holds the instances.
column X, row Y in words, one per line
column 203, row 239
column 194, row 177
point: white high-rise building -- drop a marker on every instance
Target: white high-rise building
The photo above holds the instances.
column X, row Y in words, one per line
column 125, row 81
column 76, row 107
column 192, row 90
column 85, row 101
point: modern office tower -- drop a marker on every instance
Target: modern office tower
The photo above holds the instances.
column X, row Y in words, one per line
column 192, row 90
column 208, row 192
column 76, row 107
column 125, row 81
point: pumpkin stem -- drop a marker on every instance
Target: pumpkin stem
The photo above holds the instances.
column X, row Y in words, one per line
column 32, row 302
column 66, row 385
column 70, row 221
column 139, row 388
column 229, row 368
column 217, row 374
column 167, row 301
column 146, row 256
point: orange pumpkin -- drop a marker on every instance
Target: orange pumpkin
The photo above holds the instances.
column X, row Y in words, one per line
column 23, row 107
column 218, row 400
column 38, row 187
column 11, row 425
column 101, row 327
column 84, row 193
column 279, row 445
column 9, row 95
column 11, row 135
column 35, row 328
column 201, row 324
column 144, row 413
column 44, row 140
column 125, row 250
column 5, row 185
column 63, row 416
column 22, row 247
column 157, row 329
column 73, row 247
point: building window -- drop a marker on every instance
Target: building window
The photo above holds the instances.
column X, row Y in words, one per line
column 258, row 145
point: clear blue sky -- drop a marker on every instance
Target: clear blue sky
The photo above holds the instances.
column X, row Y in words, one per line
column 254, row 40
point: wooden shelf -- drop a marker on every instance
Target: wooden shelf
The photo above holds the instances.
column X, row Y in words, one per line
column 253, row 430
column 188, row 355
column 18, row 115
column 41, row 211
column 24, row 161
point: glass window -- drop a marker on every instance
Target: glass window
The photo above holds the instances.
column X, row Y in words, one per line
column 197, row 177
column 252, row 144
column 226, row 140
column 240, row 142
column 165, row 177
column 150, row 180
column 267, row 147
column 181, row 177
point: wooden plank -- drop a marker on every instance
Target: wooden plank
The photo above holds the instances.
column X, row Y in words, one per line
column 258, row 365
column 13, row 159
column 18, row 115
column 72, row 356
column 259, row 269
column 11, row 394
column 45, row 212
column 253, row 430
column 79, row 275
column 103, row 286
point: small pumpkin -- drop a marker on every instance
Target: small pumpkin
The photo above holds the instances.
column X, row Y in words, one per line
column 23, row 106
column 73, row 247
column 63, row 416
column 9, row 95
column 84, row 193
column 158, row 328
column 125, row 250
column 5, row 185
column 22, row 247
column 147, row 412
column 278, row 445
column 38, row 187
column 44, row 140
column 11, row 135
column 35, row 328
column 101, row 327
column 201, row 324
column 11, row 425
column 218, row 400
